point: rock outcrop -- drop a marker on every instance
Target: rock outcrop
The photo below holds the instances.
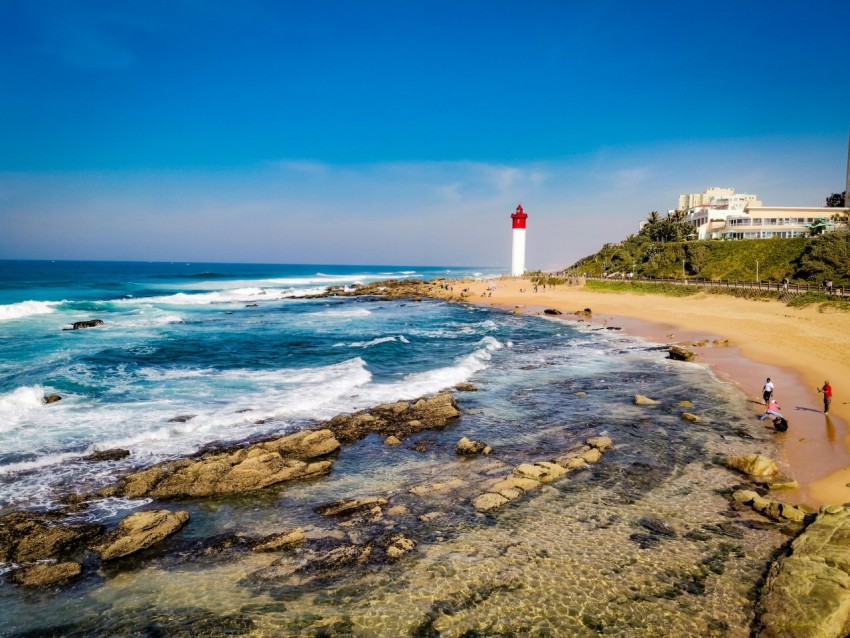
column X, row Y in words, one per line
column 247, row 469
column 772, row 509
column 754, row 465
column 678, row 353
column 114, row 454
column 398, row 419
column 139, row 531
column 26, row 537
column 468, row 447
column 642, row 400
column 807, row 594
column 90, row 323
column 51, row 398
column 45, row 574
column 527, row 477
column 552, row 311
column 281, row 541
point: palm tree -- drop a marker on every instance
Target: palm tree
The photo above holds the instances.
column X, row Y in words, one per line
column 653, row 217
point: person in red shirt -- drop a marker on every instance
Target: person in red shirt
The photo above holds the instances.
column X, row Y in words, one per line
column 827, row 396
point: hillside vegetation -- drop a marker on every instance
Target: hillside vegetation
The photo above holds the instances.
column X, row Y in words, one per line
column 803, row 260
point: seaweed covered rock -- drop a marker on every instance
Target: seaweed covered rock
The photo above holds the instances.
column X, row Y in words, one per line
column 26, row 537
column 232, row 472
column 398, row 419
column 468, row 447
column 139, row 531
column 45, row 574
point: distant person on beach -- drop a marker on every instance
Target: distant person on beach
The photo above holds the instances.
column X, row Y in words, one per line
column 785, row 282
column 826, row 390
column 767, row 390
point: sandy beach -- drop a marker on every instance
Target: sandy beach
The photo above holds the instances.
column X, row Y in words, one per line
column 798, row 348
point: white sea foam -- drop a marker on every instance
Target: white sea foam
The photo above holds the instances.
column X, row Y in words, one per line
column 424, row 383
column 373, row 342
column 16, row 405
column 9, row 312
column 346, row 314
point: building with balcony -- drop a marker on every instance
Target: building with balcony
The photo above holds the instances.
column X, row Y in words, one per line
column 720, row 213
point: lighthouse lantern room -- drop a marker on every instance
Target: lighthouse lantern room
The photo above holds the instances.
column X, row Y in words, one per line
column 518, row 254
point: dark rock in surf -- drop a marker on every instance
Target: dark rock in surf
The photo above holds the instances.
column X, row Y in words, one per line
column 552, row 311
column 466, row 387
column 107, row 455
column 51, row 398
column 79, row 325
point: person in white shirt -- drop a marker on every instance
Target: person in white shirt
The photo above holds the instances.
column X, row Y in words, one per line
column 767, row 390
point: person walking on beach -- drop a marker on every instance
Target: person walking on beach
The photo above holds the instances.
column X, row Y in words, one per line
column 767, row 390
column 826, row 390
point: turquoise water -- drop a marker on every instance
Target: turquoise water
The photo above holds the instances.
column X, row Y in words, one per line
column 238, row 350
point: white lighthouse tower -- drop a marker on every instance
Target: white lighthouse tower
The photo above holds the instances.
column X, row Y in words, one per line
column 518, row 255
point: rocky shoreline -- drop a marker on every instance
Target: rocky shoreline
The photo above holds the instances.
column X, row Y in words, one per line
column 806, row 591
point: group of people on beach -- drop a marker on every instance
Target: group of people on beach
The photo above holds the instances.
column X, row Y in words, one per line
column 773, row 409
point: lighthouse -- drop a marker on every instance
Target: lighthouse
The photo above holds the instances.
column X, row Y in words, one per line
column 518, row 255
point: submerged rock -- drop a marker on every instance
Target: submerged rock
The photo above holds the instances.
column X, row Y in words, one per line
column 139, row 531
column 530, row 476
column 44, row 575
column 807, row 594
column 642, row 400
column 466, row 387
column 355, row 506
column 468, row 447
column 277, row 542
column 774, row 509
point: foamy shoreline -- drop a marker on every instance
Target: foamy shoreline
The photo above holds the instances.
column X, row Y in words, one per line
column 798, row 348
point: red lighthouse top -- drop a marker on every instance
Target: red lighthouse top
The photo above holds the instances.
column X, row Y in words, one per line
column 519, row 217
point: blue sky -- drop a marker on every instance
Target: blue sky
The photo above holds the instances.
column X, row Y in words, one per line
column 402, row 132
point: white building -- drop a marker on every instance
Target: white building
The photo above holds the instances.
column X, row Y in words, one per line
column 721, row 213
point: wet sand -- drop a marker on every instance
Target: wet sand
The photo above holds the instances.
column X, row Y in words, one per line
column 798, row 348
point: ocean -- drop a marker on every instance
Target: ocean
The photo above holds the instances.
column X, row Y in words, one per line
column 192, row 354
